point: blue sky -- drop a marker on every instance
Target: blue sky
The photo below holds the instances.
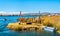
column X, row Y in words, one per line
column 52, row 6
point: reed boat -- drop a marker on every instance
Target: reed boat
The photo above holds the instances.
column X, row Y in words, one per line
column 50, row 29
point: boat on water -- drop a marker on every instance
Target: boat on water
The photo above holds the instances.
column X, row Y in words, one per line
column 50, row 29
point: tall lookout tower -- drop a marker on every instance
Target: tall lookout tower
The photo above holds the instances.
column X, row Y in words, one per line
column 20, row 13
column 39, row 14
column 40, row 20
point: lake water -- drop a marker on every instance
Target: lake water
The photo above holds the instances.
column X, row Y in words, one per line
column 6, row 32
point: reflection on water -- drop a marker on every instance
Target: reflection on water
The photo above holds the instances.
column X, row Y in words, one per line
column 27, row 33
column 5, row 32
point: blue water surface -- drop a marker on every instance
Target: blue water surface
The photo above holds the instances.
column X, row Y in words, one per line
column 4, row 20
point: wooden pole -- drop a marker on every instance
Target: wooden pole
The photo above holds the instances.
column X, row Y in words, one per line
column 20, row 13
column 39, row 18
column 39, row 14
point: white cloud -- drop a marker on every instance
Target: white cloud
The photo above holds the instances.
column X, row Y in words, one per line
column 8, row 13
column 11, row 13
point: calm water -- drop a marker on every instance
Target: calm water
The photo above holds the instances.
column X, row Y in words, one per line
column 5, row 32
